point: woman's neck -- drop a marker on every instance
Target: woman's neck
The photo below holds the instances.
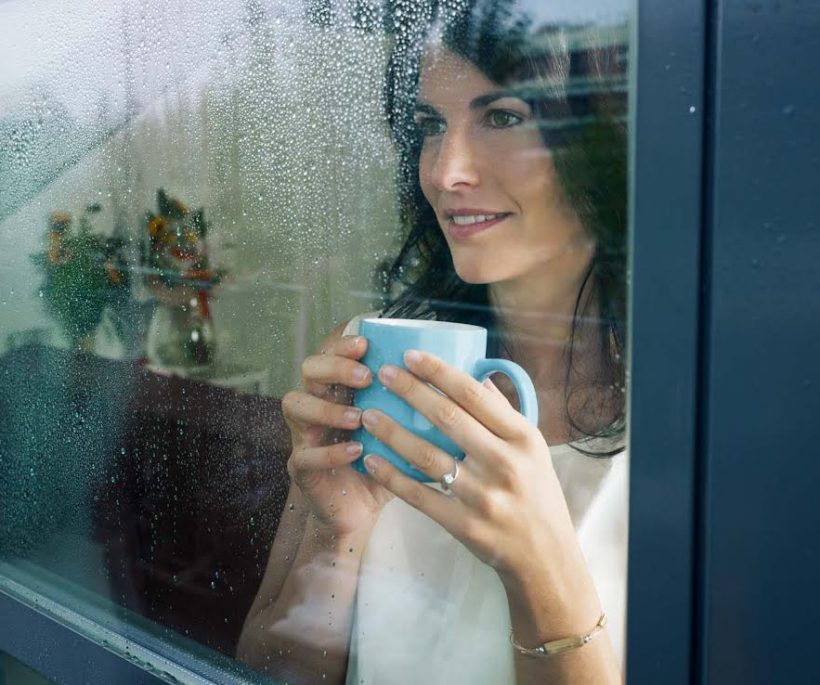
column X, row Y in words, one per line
column 536, row 313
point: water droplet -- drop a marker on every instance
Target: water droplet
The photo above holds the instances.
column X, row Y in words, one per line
column 692, row 109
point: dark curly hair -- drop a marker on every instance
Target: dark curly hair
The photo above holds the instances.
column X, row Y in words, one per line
column 574, row 79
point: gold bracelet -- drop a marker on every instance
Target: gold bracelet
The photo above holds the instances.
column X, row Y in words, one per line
column 560, row 646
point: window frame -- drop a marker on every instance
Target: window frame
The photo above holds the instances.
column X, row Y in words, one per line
column 669, row 57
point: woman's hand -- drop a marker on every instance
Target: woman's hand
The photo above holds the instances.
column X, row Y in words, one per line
column 506, row 505
column 320, row 417
column 507, row 502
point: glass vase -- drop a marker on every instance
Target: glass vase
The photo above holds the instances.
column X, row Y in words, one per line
column 181, row 336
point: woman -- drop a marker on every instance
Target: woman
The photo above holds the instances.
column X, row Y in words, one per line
column 512, row 184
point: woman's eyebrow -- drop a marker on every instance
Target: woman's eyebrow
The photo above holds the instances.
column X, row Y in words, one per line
column 476, row 103
column 483, row 100
column 424, row 108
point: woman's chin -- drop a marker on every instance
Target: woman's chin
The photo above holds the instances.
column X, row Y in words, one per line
column 475, row 275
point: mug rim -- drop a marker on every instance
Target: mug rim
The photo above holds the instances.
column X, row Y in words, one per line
column 421, row 324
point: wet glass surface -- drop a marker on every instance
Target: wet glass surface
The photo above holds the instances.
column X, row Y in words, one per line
column 192, row 200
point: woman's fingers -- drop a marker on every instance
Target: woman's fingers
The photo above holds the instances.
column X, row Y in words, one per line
column 305, row 409
column 487, row 405
column 335, row 369
column 350, row 346
column 314, row 459
column 448, row 416
column 447, row 511
column 332, row 369
column 426, row 457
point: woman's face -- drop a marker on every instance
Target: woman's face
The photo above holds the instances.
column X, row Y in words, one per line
column 487, row 174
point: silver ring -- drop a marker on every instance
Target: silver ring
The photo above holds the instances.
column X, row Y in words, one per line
column 448, row 479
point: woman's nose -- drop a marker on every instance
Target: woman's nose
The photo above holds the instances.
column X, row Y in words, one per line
column 456, row 163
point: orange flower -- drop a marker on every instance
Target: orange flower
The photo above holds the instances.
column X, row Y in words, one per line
column 199, row 274
column 114, row 276
column 181, row 207
column 157, row 226
column 56, row 254
column 59, row 222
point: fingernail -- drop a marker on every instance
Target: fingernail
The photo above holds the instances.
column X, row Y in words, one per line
column 352, row 415
column 371, row 463
column 370, row 418
column 354, row 449
column 412, row 357
column 360, row 373
column 388, row 373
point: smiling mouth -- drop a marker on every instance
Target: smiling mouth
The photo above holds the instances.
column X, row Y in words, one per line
column 461, row 226
column 470, row 219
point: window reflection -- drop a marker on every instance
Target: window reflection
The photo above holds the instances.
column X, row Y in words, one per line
column 228, row 196
column 512, row 193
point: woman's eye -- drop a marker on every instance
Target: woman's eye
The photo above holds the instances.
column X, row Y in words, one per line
column 499, row 118
column 430, row 126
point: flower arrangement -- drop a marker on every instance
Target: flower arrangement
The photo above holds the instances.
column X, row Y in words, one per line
column 179, row 274
column 84, row 273
column 176, row 250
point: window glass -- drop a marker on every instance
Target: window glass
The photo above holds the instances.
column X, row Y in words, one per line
column 201, row 210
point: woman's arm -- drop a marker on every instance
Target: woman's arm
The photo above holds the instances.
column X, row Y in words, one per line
column 289, row 534
column 299, row 626
column 554, row 600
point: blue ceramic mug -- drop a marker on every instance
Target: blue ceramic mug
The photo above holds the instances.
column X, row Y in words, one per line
column 460, row 345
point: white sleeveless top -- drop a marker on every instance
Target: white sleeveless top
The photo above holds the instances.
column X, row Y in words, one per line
column 428, row 611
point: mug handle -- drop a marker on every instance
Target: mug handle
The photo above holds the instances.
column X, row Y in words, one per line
column 527, row 398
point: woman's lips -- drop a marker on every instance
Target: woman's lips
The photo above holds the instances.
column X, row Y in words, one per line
column 464, row 231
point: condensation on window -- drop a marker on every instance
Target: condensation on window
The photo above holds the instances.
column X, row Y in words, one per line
column 191, row 199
